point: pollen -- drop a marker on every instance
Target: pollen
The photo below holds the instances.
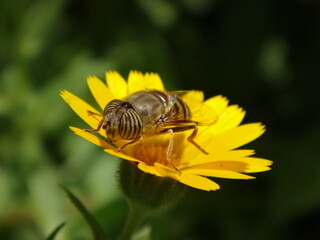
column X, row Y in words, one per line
column 155, row 153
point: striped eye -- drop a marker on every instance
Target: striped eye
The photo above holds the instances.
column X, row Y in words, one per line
column 130, row 125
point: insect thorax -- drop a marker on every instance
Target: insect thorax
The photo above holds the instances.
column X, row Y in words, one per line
column 156, row 106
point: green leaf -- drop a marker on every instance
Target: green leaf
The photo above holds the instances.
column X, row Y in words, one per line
column 55, row 231
column 96, row 229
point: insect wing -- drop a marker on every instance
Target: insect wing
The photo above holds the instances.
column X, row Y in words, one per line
column 201, row 113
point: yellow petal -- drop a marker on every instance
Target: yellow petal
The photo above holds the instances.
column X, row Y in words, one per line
column 232, row 138
column 255, row 160
column 191, row 180
column 91, row 138
column 137, row 82
column 257, row 168
column 231, row 118
column 218, row 104
column 148, row 169
column 217, row 173
column 81, row 108
column 153, row 81
column 204, row 115
column 121, row 155
column 117, row 85
column 99, row 91
column 256, row 164
column 199, row 182
column 241, row 135
column 164, row 170
column 244, row 164
column 191, row 155
column 193, row 97
column 236, row 166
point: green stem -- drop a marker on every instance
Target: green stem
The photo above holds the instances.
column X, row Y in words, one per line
column 137, row 214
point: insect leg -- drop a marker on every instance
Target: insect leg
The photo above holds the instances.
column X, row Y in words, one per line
column 119, row 149
column 192, row 136
column 100, row 122
column 169, row 150
column 90, row 113
column 97, row 129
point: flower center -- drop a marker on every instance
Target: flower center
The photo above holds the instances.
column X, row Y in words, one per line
column 152, row 153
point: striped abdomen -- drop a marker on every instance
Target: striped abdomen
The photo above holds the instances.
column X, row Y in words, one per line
column 174, row 108
column 179, row 111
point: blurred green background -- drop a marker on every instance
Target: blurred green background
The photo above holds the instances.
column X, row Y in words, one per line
column 262, row 55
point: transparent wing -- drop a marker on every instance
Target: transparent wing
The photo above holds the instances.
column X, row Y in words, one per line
column 201, row 113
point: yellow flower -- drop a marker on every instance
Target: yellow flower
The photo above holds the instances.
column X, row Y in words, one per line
column 220, row 139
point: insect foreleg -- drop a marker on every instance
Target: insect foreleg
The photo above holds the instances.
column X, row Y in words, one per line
column 119, row 149
column 97, row 129
column 94, row 114
column 100, row 122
